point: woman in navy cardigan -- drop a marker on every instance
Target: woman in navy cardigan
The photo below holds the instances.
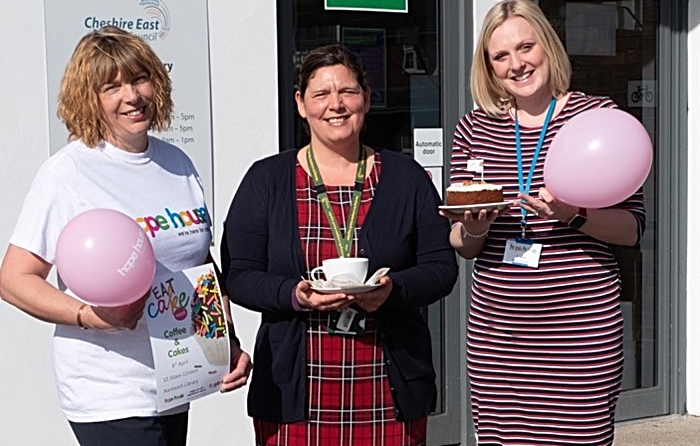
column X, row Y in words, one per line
column 311, row 384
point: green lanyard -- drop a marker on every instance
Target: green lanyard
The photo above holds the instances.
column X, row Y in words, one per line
column 343, row 244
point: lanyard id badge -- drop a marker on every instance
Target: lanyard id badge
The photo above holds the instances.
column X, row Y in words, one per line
column 522, row 251
column 347, row 322
column 342, row 243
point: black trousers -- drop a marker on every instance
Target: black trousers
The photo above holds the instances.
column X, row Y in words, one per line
column 169, row 430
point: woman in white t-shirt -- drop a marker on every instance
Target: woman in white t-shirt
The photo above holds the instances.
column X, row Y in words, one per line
column 115, row 89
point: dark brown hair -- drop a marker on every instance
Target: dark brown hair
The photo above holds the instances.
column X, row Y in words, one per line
column 328, row 56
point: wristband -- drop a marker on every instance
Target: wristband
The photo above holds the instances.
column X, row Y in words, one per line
column 466, row 233
column 78, row 317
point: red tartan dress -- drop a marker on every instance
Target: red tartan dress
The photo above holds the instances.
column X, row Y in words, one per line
column 348, row 392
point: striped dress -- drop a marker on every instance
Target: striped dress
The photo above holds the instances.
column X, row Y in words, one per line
column 544, row 345
column 349, row 396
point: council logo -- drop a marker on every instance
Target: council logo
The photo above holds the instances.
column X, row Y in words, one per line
column 152, row 25
column 159, row 17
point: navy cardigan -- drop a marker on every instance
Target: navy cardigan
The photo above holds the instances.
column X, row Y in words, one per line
column 262, row 262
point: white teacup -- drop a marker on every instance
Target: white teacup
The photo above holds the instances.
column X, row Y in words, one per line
column 342, row 266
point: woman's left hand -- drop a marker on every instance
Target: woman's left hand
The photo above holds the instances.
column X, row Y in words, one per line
column 372, row 300
column 546, row 206
column 240, row 368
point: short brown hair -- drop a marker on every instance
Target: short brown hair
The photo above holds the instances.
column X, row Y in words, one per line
column 487, row 91
column 97, row 59
column 328, row 56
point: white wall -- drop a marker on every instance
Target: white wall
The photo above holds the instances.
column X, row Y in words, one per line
column 244, row 110
column 693, row 247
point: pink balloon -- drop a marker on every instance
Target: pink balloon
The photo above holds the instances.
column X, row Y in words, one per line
column 597, row 159
column 105, row 258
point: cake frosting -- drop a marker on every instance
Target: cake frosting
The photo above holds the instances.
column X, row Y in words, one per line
column 472, row 187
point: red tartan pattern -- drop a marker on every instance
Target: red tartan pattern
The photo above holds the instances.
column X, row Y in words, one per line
column 348, row 390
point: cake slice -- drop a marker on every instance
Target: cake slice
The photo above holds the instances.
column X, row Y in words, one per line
column 473, row 192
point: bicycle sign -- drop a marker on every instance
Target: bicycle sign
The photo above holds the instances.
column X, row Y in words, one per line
column 641, row 94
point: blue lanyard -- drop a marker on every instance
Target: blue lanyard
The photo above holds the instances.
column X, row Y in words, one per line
column 524, row 187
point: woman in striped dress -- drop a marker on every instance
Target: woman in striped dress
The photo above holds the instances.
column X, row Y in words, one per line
column 544, row 341
column 313, row 384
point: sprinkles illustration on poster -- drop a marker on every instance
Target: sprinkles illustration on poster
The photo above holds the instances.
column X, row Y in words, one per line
column 209, row 320
column 189, row 336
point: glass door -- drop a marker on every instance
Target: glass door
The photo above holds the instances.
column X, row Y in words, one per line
column 401, row 56
column 401, row 52
column 615, row 49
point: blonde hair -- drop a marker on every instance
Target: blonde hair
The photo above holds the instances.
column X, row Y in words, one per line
column 487, row 91
column 98, row 58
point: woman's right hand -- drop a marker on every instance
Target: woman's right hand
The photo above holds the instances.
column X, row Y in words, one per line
column 470, row 229
column 310, row 299
column 473, row 223
column 116, row 318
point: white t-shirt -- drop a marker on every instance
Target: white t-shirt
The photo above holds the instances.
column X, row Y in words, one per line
column 103, row 375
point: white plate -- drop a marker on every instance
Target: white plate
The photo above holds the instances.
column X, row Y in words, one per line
column 476, row 207
column 347, row 290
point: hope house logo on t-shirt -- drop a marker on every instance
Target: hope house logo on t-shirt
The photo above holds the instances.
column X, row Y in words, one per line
column 183, row 220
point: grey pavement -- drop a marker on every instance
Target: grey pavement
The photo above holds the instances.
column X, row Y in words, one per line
column 673, row 430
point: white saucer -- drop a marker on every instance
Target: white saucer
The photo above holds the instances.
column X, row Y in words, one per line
column 476, row 207
column 351, row 289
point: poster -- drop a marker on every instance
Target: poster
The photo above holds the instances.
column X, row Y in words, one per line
column 189, row 336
